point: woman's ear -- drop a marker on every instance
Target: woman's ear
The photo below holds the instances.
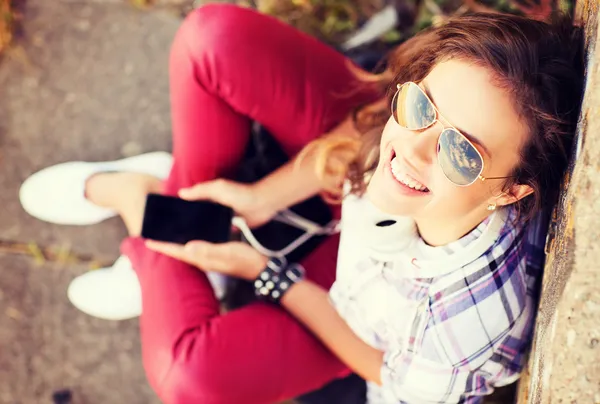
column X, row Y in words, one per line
column 514, row 194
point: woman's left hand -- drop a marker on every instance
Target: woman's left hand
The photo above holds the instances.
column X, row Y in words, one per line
column 233, row 258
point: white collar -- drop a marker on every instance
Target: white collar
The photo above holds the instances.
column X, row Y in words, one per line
column 398, row 243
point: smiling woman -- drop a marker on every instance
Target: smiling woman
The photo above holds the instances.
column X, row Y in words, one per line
column 428, row 294
column 502, row 108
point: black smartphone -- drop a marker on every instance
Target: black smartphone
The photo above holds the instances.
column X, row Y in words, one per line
column 175, row 220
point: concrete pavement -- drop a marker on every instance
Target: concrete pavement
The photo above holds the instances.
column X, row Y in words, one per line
column 88, row 80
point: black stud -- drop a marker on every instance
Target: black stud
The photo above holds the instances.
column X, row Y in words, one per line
column 386, row 223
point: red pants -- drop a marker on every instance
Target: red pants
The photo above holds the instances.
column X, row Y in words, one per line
column 230, row 66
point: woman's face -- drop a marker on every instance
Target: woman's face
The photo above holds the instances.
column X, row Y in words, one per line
column 466, row 98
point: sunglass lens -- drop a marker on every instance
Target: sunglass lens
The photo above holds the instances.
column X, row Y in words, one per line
column 460, row 161
column 411, row 108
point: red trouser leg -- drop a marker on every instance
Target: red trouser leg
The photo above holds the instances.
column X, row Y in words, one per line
column 228, row 66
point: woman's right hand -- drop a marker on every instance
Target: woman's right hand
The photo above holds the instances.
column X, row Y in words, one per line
column 244, row 199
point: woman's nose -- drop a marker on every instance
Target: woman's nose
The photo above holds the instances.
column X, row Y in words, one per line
column 421, row 146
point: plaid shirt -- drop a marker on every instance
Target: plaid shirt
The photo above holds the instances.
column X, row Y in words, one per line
column 454, row 321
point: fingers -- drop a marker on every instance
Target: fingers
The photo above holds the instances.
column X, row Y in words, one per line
column 210, row 190
column 233, row 258
column 170, row 249
column 204, row 255
column 210, row 257
column 200, row 254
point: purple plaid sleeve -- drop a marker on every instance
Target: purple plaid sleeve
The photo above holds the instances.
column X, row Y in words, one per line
column 476, row 329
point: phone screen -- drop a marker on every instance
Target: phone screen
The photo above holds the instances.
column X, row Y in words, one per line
column 176, row 220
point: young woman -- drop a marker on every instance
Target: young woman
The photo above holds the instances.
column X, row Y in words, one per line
column 442, row 233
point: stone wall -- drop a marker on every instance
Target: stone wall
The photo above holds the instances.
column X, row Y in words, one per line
column 565, row 361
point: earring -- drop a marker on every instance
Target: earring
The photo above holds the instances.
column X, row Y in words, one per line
column 491, row 206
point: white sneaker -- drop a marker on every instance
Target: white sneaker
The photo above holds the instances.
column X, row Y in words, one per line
column 56, row 194
column 114, row 293
column 111, row 293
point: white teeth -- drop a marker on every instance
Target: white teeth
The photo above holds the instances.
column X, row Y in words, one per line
column 405, row 178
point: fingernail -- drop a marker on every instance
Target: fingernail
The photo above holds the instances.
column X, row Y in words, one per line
column 183, row 192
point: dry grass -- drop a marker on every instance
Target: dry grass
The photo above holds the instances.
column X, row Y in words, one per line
column 6, row 23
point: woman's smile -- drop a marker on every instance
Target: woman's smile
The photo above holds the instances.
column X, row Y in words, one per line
column 396, row 173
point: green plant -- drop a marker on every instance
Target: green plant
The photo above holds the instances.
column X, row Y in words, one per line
column 332, row 20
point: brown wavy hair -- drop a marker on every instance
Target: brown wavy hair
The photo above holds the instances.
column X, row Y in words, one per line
column 540, row 64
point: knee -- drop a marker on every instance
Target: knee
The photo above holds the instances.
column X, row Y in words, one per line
column 192, row 371
column 215, row 27
column 193, row 384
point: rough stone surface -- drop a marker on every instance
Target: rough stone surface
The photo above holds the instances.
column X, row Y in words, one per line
column 87, row 80
column 565, row 362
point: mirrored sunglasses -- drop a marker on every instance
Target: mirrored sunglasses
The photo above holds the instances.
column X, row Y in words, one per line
column 458, row 158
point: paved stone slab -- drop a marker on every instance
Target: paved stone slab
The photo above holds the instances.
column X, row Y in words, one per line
column 48, row 345
column 88, row 81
